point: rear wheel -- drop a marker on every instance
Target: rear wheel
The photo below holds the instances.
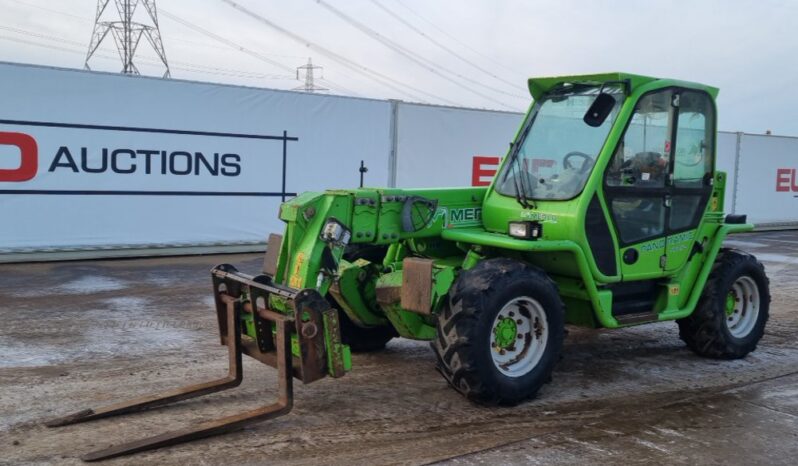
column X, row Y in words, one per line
column 730, row 318
column 363, row 339
column 499, row 338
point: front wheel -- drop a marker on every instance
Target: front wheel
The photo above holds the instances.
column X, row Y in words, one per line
column 502, row 332
column 730, row 318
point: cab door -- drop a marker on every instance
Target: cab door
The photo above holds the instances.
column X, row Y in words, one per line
column 636, row 186
column 691, row 174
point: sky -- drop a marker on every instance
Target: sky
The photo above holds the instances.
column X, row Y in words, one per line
column 464, row 53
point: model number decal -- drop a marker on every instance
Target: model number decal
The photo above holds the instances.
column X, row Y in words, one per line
column 539, row 216
column 674, row 241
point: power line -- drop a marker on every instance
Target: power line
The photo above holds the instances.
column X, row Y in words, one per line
column 442, row 46
column 381, row 78
column 185, row 66
column 189, row 67
column 41, row 36
column 64, row 49
column 240, row 48
column 415, row 58
column 223, row 40
column 160, row 10
column 39, row 44
column 44, row 8
column 455, row 39
column 361, row 69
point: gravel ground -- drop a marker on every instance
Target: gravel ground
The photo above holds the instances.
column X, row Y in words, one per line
column 81, row 334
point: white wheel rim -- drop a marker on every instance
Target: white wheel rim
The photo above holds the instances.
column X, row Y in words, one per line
column 742, row 316
column 531, row 336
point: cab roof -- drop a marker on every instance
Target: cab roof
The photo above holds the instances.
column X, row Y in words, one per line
column 539, row 86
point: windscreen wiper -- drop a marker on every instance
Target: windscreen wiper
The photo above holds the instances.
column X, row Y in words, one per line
column 518, row 181
column 517, row 167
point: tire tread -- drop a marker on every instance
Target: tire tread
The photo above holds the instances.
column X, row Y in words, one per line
column 705, row 332
column 457, row 321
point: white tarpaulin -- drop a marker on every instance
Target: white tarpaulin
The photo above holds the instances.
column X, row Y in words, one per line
column 767, row 187
column 725, row 159
column 100, row 160
column 442, row 146
column 103, row 161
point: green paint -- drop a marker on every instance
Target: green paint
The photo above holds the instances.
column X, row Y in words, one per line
column 468, row 225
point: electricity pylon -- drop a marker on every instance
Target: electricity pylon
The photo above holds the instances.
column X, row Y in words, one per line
column 127, row 34
column 309, row 85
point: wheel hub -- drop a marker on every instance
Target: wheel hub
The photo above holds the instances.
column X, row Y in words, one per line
column 519, row 336
column 731, row 302
column 505, row 331
column 742, row 307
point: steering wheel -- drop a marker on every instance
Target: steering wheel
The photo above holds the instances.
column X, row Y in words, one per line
column 698, row 159
column 586, row 163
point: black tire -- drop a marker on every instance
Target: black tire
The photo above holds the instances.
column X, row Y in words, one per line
column 363, row 339
column 463, row 343
column 707, row 331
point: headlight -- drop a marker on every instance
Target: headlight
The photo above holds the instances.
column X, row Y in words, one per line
column 526, row 230
column 334, row 232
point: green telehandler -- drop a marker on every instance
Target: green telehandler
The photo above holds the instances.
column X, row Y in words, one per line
column 606, row 212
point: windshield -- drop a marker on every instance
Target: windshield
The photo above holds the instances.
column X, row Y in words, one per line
column 557, row 148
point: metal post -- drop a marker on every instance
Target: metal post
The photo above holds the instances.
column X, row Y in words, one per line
column 394, row 135
column 734, row 186
column 363, row 169
column 285, row 162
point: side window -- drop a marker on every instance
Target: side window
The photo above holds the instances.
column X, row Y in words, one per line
column 694, row 138
column 683, row 211
column 638, row 218
column 642, row 159
column 637, row 176
column 692, row 159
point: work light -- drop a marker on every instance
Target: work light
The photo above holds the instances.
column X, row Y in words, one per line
column 335, row 232
column 526, row 230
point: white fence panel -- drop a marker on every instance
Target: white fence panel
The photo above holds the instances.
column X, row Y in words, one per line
column 725, row 160
column 93, row 160
column 443, row 146
column 102, row 161
column 767, row 183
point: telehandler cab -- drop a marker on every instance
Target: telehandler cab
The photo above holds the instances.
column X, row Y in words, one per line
column 607, row 211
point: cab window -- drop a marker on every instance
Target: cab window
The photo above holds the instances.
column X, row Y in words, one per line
column 642, row 159
column 637, row 176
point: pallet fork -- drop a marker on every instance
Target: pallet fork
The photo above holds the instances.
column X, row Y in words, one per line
column 294, row 343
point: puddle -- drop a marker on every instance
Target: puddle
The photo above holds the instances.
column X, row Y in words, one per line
column 85, row 285
column 102, row 341
column 744, row 244
column 122, row 326
column 81, row 286
column 28, row 354
column 91, row 284
column 164, row 281
column 126, row 304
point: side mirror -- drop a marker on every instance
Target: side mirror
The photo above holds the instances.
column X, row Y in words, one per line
column 599, row 110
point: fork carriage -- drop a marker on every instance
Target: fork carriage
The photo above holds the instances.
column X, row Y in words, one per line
column 291, row 340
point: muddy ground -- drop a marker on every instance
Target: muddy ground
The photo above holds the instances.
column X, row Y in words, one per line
column 81, row 334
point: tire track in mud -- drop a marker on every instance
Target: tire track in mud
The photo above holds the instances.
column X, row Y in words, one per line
column 627, row 412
